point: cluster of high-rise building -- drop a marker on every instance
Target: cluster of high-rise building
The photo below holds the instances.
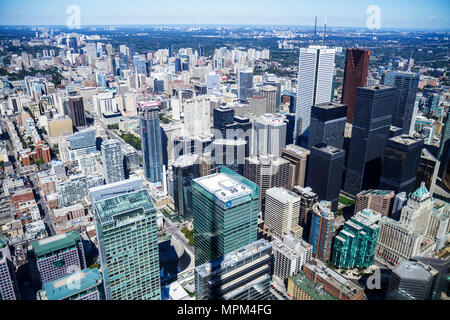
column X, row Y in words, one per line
column 256, row 181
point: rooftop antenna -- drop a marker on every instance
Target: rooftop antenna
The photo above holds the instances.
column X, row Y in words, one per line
column 315, row 31
column 324, row 31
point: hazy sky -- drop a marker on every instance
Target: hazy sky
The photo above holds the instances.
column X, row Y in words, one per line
column 351, row 13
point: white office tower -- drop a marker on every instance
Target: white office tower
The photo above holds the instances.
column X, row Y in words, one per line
column 104, row 102
column 282, row 211
column 417, row 212
column 175, row 103
column 112, row 159
column 91, row 52
column 290, row 255
column 197, row 116
column 269, row 135
column 315, row 82
column 213, row 83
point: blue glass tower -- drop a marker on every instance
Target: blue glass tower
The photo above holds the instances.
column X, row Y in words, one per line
column 151, row 141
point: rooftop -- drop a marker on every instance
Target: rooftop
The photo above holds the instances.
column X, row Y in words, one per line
column 376, row 192
column 283, row 195
column 108, row 208
column 70, row 285
column 413, row 270
column 406, row 140
column 58, row 242
column 232, row 258
column 315, row 291
column 224, row 187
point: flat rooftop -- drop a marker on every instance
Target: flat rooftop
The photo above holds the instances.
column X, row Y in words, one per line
column 58, row 242
column 406, row 140
column 224, row 187
column 283, row 195
column 75, row 283
column 108, row 208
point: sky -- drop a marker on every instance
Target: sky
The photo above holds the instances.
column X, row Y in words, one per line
column 345, row 13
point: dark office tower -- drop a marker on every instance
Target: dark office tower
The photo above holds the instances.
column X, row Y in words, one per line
column 327, row 125
column 170, row 51
column 356, row 72
column 245, row 84
column 76, row 111
column 371, row 124
column 151, row 141
column 290, row 122
column 444, row 148
column 400, row 163
column 428, row 171
column 412, row 280
column 158, row 86
column 325, row 167
column 407, row 83
column 201, row 51
column 185, row 66
column 178, row 65
column 185, row 170
column 223, row 117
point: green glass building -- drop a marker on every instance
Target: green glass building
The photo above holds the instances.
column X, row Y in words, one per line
column 128, row 245
column 225, row 208
column 354, row 246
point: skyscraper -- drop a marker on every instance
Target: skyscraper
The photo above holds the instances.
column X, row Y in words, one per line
column 245, row 84
column 185, row 169
column 282, row 211
column 128, row 245
column 428, row 170
column 322, row 222
column 444, row 147
column 400, row 163
column 56, row 257
column 354, row 246
column 225, row 208
column 267, row 172
column 407, row 84
column 242, row 274
column 8, row 283
column 274, row 83
column 411, row 280
column 76, row 111
column 315, row 80
column 356, row 72
column 307, row 202
column 327, row 125
column 112, row 159
column 151, row 141
column 270, row 93
column 377, row 200
column 371, row 125
column 223, row 118
column 298, row 157
column 269, row 135
column 325, row 168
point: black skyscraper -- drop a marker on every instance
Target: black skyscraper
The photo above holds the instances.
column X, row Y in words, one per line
column 325, row 167
column 76, row 111
column 407, row 83
column 371, row 126
column 400, row 163
column 327, row 125
column 223, row 117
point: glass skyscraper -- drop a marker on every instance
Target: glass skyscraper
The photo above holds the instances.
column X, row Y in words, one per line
column 151, row 141
column 112, row 159
column 128, row 245
column 225, row 208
